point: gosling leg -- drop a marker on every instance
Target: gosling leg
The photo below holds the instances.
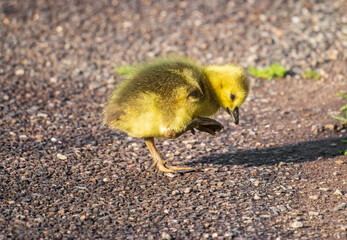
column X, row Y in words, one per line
column 160, row 163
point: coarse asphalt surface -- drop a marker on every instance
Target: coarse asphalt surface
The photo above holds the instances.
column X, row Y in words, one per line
column 64, row 175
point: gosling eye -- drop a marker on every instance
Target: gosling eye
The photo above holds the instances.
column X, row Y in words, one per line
column 232, row 96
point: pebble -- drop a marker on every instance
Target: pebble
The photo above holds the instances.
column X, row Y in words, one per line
column 256, row 183
column 206, row 235
column 187, row 190
column 61, row 156
column 330, row 126
column 311, row 213
column 165, row 236
column 175, row 192
column 256, row 197
column 53, row 80
column 340, row 207
column 59, row 29
column 39, row 137
column 62, row 211
column 43, row 115
column 19, row 72
column 339, row 162
column 105, row 179
column 317, row 128
column 297, row 224
column 23, row 136
column 338, row 192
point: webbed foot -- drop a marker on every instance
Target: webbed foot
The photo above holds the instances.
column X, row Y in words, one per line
column 208, row 125
column 161, row 164
column 164, row 167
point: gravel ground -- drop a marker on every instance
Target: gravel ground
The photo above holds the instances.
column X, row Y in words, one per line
column 64, row 175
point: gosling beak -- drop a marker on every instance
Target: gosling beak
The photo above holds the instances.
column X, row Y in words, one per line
column 234, row 115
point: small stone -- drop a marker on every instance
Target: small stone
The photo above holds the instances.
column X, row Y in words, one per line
column 311, row 213
column 330, row 126
column 170, row 175
column 187, row 190
column 61, row 156
column 275, row 210
column 295, row 19
column 43, row 115
column 282, row 208
column 206, row 235
column 254, row 172
column 338, row 193
column 38, row 220
column 324, row 189
column 62, row 211
column 83, row 217
column 339, row 162
column 317, row 128
column 23, row 136
column 53, row 80
column 53, row 139
column 340, row 207
column 228, row 235
column 59, row 29
column 281, row 164
column 214, row 235
column 256, row 197
column 256, row 183
column 19, row 72
column 165, row 236
column 175, row 192
column 39, row 137
column 6, row 21
column 344, row 228
column 106, row 180
column 297, row 224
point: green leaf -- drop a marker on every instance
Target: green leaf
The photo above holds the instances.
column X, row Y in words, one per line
column 344, row 108
column 311, row 74
column 340, row 118
column 273, row 71
column 342, row 95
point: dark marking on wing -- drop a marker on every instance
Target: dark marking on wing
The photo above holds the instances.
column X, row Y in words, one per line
column 195, row 94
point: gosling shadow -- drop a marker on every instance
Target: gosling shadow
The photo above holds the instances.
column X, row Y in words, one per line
column 296, row 153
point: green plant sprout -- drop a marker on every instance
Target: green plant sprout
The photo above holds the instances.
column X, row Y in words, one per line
column 311, row 74
column 270, row 72
column 345, row 151
column 343, row 118
column 124, row 70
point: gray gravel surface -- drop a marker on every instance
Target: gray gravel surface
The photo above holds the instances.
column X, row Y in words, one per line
column 64, row 175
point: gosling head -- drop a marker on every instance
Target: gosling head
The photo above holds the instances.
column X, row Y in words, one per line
column 231, row 86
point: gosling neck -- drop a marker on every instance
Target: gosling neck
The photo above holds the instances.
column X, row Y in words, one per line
column 214, row 77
